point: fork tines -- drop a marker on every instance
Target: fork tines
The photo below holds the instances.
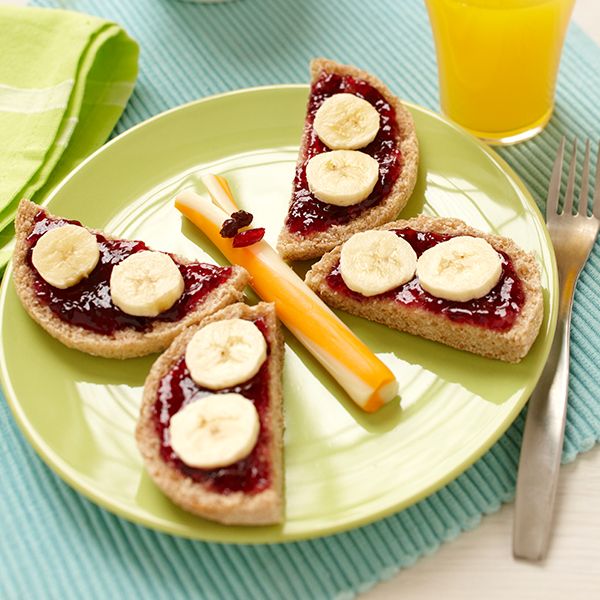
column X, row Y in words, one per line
column 555, row 182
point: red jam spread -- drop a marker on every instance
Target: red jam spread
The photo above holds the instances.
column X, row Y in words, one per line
column 307, row 214
column 496, row 310
column 88, row 303
column 177, row 389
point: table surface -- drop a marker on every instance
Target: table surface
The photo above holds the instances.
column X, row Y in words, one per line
column 479, row 563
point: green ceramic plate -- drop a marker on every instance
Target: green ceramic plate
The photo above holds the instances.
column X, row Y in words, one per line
column 344, row 468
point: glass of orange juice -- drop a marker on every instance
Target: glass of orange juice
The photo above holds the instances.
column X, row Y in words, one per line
column 497, row 63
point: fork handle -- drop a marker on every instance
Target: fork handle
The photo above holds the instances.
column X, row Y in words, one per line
column 542, row 445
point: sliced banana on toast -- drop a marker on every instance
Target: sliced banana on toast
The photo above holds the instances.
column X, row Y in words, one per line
column 65, row 255
column 342, row 177
column 346, row 122
column 460, row 269
column 225, row 353
column 146, row 284
column 215, row 431
column 373, row 262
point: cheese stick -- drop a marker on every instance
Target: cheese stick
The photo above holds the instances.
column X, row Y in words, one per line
column 363, row 376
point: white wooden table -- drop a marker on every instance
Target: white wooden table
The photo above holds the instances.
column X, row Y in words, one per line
column 479, row 564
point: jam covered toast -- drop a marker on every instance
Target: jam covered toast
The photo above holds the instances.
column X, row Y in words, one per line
column 214, row 460
column 73, row 293
column 355, row 120
column 499, row 321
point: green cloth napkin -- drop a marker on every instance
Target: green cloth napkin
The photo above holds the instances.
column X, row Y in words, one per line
column 65, row 79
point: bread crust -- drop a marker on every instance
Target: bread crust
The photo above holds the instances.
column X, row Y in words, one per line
column 125, row 343
column 300, row 247
column 237, row 508
column 510, row 346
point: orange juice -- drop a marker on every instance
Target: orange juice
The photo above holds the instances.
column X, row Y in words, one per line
column 497, row 63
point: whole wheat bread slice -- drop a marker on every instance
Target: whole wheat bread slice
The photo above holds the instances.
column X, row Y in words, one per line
column 125, row 343
column 264, row 507
column 293, row 246
column 510, row 345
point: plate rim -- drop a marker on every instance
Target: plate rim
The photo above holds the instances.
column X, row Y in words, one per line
column 272, row 534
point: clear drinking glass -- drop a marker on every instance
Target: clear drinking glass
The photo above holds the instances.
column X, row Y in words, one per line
column 497, row 63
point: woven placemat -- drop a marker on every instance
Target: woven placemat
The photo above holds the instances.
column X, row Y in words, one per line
column 57, row 544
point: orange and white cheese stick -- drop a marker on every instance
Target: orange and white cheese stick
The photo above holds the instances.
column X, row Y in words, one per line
column 364, row 377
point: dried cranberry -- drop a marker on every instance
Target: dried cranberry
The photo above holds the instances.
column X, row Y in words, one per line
column 238, row 219
column 242, row 218
column 248, row 237
column 229, row 228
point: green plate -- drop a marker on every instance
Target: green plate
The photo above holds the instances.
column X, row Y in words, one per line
column 344, row 468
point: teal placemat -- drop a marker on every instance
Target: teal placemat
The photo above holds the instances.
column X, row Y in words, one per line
column 56, row 544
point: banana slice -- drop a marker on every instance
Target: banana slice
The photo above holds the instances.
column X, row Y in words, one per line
column 460, row 269
column 373, row 262
column 215, row 431
column 342, row 177
column 146, row 284
column 225, row 353
column 346, row 122
column 65, row 255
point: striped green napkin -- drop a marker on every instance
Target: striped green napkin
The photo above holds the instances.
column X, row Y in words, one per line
column 65, row 79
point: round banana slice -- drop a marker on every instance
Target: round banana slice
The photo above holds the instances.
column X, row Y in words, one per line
column 342, row 177
column 460, row 269
column 346, row 122
column 65, row 255
column 225, row 353
column 146, row 284
column 373, row 262
column 215, row 431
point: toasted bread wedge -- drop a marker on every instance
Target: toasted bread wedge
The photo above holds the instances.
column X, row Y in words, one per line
column 510, row 344
column 128, row 341
column 201, row 492
column 299, row 246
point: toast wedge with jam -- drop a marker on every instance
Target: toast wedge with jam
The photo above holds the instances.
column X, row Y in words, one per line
column 210, row 428
column 502, row 320
column 357, row 164
column 76, row 302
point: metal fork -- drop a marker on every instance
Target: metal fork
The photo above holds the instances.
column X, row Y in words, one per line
column 573, row 236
